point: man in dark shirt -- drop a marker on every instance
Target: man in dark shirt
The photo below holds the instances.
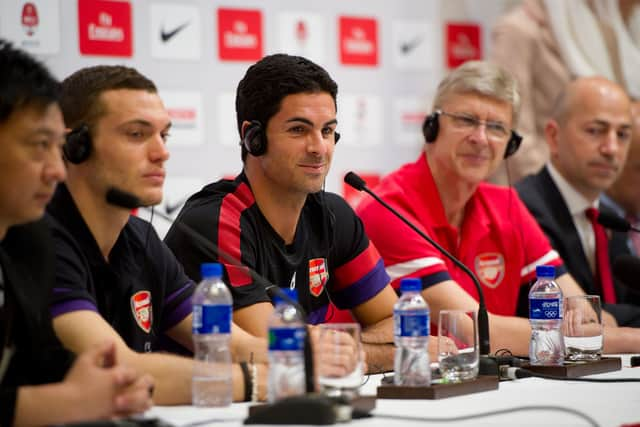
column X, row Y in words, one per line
column 115, row 279
column 31, row 134
column 275, row 217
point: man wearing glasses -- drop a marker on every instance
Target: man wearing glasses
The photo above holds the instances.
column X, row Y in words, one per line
column 487, row 227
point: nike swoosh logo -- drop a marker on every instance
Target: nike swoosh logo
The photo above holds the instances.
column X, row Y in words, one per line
column 407, row 47
column 170, row 208
column 165, row 36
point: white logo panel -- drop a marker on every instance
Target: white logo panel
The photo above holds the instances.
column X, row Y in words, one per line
column 32, row 25
column 175, row 31
column 360, row 119
column 186, row 113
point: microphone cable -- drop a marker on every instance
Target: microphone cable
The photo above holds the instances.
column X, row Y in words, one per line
column 512, row 373
column 577, row 413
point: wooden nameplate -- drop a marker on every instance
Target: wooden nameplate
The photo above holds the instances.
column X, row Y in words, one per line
column 439, row 391
column 579, row 369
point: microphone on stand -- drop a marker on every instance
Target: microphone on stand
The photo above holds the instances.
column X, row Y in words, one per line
column 488, row 365
column 310, row 408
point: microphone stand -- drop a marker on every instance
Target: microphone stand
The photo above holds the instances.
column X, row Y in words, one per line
column 488, row 365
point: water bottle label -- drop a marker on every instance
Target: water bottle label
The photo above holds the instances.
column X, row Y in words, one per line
column 286, row 339
column 545, row 309
column 211, row 319
column 410, row 324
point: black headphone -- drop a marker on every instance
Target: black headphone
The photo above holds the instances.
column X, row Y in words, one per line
column 255, row 139
column 78, row 145
column 431, row 126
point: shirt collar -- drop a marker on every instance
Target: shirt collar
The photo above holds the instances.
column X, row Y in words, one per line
column 575, row 201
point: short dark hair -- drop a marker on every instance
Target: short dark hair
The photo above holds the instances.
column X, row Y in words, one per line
column 24, row 82
column 268, row 81
column 80, row 100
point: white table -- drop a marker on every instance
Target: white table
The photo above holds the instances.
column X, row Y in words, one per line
column 609, row 404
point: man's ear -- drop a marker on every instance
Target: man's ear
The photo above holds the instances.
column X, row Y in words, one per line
column 551, row 135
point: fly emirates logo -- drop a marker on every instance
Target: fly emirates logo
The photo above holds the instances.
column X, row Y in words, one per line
column 358, row 44
column 239, row 37
column 104, row 30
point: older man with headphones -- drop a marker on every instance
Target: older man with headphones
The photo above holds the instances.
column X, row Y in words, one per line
column 487, row 227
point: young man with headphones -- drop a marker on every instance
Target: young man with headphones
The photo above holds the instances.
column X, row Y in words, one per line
column 487, row 227
column 275, row 217
column 115, row 279
column 39, row 385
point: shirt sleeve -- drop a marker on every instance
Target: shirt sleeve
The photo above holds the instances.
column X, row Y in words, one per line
column 358, row 270
column 72, row 278
column 178, row 287
column 405, row 253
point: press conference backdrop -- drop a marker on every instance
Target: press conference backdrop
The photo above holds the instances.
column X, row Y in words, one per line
column 386, row 56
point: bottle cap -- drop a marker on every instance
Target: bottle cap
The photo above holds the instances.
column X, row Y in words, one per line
column 546, row 271
column 291, row 293
column 210, row 270
column 410, row 284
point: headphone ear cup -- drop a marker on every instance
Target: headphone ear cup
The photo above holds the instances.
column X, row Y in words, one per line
column 336, row 136
column 77, row 147
column 430, row 127
column 513, row 144
column 254, row 140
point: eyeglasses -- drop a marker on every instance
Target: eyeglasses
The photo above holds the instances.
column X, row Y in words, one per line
column 495, row 131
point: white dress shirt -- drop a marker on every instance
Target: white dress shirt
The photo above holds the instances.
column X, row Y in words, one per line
column 577, row 205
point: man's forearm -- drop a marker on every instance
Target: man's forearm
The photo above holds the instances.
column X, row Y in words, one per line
column 379, row 357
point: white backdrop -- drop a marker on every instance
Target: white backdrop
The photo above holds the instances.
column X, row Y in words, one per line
column 380, row 107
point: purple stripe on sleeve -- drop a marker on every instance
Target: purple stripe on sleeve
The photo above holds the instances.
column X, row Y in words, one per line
column 181, row 311
column 364, row 289
column 317, row 316
column 72, row 305
column 174, row 294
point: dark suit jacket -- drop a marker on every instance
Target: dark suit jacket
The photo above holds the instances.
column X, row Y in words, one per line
column 26, row 257
column 543, row 199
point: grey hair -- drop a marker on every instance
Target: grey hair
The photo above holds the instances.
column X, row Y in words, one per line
column 483, row 78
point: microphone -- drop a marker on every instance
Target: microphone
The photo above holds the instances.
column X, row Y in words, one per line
column 615, row 222
column 490, row 367
column 124, row 199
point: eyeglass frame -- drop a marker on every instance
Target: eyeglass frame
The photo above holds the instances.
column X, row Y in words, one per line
column 474, row 122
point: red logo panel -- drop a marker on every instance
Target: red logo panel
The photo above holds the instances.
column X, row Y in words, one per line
column 105, row 27
column 239, row 34
column 463, row 43
column 358, row 40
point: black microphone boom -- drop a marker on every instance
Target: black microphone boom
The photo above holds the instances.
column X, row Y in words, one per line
column 615, row 222
column 483, row 318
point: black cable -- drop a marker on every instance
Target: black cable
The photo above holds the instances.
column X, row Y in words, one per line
column 575, row 412
column 514, row 373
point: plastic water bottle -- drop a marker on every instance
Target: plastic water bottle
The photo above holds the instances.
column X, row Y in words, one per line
column 545, row 315
column 287, row 332
column 411, row 331
column 212, row 303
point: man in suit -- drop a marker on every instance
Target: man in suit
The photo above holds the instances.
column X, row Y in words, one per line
column 588, row 137
column 624, row 194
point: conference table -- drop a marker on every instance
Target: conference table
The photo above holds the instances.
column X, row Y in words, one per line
column 584, row 403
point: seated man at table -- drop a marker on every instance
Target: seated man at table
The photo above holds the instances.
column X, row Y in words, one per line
column 467, row 136
column 115, row 279
column 588, row 135
column 276, row 218
column 39, row 385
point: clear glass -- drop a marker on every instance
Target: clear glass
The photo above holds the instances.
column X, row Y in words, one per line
column 458, row 352
column 340, row 362
column 583, row 328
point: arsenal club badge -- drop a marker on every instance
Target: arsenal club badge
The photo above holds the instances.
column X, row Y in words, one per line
column 490, row 268
column 142, row 310
column 318, row 275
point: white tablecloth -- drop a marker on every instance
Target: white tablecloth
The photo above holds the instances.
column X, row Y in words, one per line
column 609, row 404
